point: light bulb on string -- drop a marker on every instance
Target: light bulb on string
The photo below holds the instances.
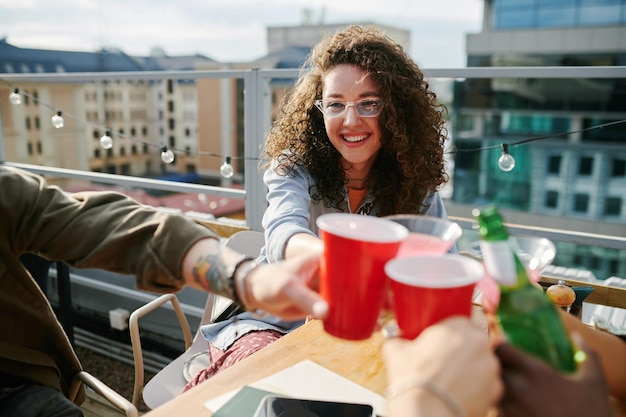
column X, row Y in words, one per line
column 506, row 162
column 106, row 141
column 15, row 98
column 167, row 155
column 226, row 169
column 57, row 120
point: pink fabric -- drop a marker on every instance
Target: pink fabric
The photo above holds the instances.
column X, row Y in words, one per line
column 243, row 347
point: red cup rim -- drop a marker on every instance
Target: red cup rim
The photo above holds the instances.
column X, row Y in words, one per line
column 372, row 229
column 419, row 269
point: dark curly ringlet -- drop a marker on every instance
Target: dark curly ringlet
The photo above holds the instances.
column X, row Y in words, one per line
column 410, row 163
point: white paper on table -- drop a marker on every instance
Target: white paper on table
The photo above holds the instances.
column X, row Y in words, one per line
column 309, row 380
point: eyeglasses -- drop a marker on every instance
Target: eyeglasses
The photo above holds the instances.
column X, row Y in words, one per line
column 368, row 107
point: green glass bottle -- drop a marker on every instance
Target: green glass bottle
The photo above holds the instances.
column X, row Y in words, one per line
column 525, row 313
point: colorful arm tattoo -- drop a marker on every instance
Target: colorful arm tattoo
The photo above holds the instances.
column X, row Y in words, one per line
column 211, row 274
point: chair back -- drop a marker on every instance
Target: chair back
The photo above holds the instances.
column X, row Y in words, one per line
column 169, row 382
column 247, row 242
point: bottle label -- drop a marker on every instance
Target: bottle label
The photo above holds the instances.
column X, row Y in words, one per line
column 499, row 261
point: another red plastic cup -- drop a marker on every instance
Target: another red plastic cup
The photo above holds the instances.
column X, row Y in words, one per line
column 352, row 274
column 429, row 288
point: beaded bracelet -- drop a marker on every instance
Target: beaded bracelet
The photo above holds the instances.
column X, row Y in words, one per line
column 231, row 273
column 429, row 386
column 240, row 273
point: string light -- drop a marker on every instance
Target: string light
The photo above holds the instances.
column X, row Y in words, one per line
column 15, row 98
column 167, row 155
column 106, row 141
column 506, row 162
column 226, row 169
column 57, row 120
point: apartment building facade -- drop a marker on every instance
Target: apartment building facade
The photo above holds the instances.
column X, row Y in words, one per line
column 574, row 181
column 141, row 117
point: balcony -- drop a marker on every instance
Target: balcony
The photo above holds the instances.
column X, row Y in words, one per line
column 206, row 117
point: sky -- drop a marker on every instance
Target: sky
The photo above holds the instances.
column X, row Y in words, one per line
column 230, row 30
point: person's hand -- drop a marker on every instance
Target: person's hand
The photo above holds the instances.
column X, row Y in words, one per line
column 287, row 288
column 533, row 388
column 455, row 355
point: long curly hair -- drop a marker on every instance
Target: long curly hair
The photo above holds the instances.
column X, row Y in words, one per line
column 410, row 163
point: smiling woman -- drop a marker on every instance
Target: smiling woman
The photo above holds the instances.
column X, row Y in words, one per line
column 360, row 132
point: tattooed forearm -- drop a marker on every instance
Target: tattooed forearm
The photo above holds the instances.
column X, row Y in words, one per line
column 211, row 274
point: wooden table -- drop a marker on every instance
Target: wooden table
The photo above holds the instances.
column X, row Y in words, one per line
column 359, row 361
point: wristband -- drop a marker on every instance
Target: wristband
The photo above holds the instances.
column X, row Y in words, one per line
column 240, row 274
column 232, row 275
column 432, row 388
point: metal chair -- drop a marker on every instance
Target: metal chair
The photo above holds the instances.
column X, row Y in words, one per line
column 39, row 269
column 99, row 387
column 169, row 382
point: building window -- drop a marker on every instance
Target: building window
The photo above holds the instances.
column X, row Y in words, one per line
column 618, row 168
column 613, row 206
column 554, row 164
column 600, row 15
column 187, row 132
column 551, row 199
column 133, row 149
column 28, row 123
column 37, row 123
column 581, row 203
column 30, row 149
column 595, row 262
column 613, row 267
column 144, row 131
column 96, row 153
column 39, row 148
column 172, row 142
column 122, row 151
column 172, row 124
column 170, row 106
column 585, row 166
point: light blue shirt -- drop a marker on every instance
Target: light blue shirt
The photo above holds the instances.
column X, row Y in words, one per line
column 290, row 211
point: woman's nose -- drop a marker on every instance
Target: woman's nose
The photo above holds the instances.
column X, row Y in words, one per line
column 351, row 117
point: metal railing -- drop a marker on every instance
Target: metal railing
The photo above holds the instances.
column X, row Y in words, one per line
column 257, row 120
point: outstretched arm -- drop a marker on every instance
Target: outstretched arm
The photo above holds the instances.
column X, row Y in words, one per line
column 285, row 288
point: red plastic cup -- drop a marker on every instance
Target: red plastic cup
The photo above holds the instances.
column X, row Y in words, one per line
column 352, row 270
column 429, row 288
